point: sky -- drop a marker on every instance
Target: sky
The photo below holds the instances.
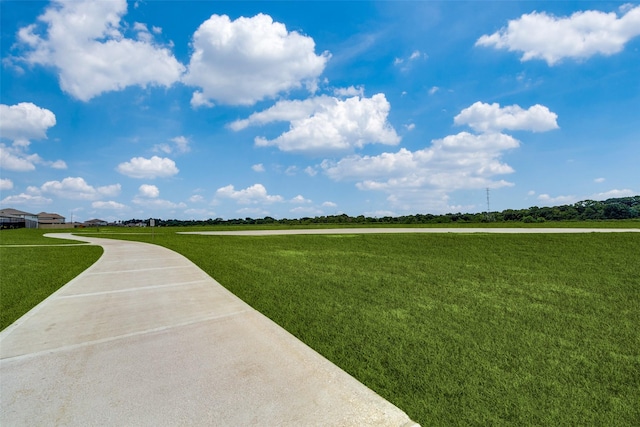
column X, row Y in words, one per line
column 211, row 109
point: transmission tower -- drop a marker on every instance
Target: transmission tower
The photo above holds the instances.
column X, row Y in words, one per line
column 489, row 218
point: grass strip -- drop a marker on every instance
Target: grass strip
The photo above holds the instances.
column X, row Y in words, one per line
column 30, row 274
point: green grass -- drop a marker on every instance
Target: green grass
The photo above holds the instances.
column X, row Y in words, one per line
column 31, row 236
column 455, row 329
column 29, row 274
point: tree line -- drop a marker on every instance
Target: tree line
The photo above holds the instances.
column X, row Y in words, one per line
column 586, row 210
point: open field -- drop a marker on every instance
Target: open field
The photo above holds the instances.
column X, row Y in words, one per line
column 32, row 269
column 455, row 329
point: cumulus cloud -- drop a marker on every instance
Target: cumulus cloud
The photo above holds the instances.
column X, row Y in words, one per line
column 16, row 158
column 464, row 161
column 25, row 121
column 259, row 167
column 21, row 123
column 155, row 167
column 326, row 124
column 254, row 194
column 76, row 188
column 83, row 41
column 582, row 35
column 483, row 117
column 246, row 60
column 26, row 199
column 149, row 191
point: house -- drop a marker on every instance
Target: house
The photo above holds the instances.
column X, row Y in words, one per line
column 95, row 223
column 13, row 218
column 50, row 218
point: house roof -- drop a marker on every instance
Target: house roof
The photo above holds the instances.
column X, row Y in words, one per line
column 95, row 220
column 15, row 212
column 50, row 215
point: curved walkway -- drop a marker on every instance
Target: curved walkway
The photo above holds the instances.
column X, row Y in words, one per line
column 144, row 337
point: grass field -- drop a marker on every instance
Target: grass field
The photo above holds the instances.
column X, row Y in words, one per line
column 29, row 274
column 455, row 329
column 465, row 329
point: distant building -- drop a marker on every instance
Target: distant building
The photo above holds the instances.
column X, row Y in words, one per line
column 50, row 218
column 95, row 223
column 13, row 218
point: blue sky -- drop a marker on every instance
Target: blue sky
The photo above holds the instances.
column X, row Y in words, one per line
column 196, row 110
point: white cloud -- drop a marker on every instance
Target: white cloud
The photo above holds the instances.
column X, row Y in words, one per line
column 311, row 171
column 244, row 61
column 58, row 164
column 25, row 121
column 180, row 145
column 20, row 123
column 558, row 200
column 111, row 205
column 300, row 200
column 462, row 161
column 404, row 63
column 599, row 180
column 140, row 167
column 326, row 124
column 26, row 199
column 580, row 36
column 613, row 194
column 349, row 91
column 149, row 191
column 433, row 90
column 77, row 188
column 83, row 41
column 287, row 111
column 548, row 200
column 196, row 198
column 157, row 203
column 6, row 184
column 256, row 193
column 258, row 167
column 329, row 205
column 198, row 99
column 16, row 158
column 491, row 118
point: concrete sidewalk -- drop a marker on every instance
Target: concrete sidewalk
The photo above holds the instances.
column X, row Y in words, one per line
column 144, row 337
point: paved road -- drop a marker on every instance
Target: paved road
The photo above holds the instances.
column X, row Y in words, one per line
column 144, row 337
column 412, row 230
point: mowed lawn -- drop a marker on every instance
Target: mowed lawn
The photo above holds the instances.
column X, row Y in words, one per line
column 473, row 329
column 31, row 269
